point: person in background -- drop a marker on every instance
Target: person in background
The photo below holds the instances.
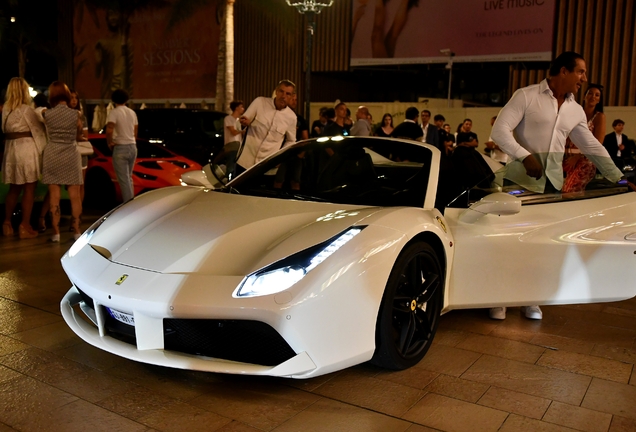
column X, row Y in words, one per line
column 121, row 137
column 409, row 128
column 386, row 127
column 272, row 123
column 232, row 136
column 619, row 146
column 439, row 120
column 578, row 169
column 25, row 139
column 466, row 137
column 362, row 126
column 339, row 126
column 62, row 163
column 318, row 125
column 493, row 148
column 430, row 133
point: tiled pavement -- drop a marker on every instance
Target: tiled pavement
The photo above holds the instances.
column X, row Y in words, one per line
column 572, row 371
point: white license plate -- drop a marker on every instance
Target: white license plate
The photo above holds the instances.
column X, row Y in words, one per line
column 121, row 316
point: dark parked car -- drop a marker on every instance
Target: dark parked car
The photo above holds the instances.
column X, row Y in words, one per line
column 194, row 133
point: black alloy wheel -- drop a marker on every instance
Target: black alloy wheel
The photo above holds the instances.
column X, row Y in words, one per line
column 410, row 309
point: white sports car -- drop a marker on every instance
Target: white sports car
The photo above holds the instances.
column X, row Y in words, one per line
column 334, row 252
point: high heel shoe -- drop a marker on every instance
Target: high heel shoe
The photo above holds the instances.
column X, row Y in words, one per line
column 26, row 233
column 7, row 229
column 42, row 225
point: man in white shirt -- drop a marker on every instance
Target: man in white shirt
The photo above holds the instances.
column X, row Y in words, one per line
column 493, row 148
column 362, row 126
column 542, row 116
column 271, row 123
column 121, row 137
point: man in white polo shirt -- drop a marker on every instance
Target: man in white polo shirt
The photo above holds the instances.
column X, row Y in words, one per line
column 121, row 137
column 271, row 123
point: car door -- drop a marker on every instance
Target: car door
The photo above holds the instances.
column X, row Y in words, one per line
column 553, row 251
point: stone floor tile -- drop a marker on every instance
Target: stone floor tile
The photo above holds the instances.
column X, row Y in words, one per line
column 505, row 348
column 577, row 418
column 26, row 403
column 378, row 395
column 632, row 380
column 515, row 402
column 587, row 365
column 512, row 333
column 530, row 379
column 5, row 428
column 448, row 360
column 592, row 331
column 25, row 318
column 93, row 385
column 263, row 404
column 49, row 337
column 136, row 402
column 453, row 415
column 43, row 365
column 236, row 426
column 312, row 384
column 420, row 428
column 622, row 424
column 175, row 383
column 94, row 357
column 620, row 311
column 334, row 416
column 562, row 343
column 516, row 423
column 468, row 320
column 449, row 337
column 457, row 388
column 82, row 416
column 611, row 397
column 627, row 355
column 7, row 374
column 180, row 417
column 414, row 377
column 10, row 345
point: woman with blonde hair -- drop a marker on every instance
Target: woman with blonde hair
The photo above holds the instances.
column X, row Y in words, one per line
column 62, row 163
column 25, row 139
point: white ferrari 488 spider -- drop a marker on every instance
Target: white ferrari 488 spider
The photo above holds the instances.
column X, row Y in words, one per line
column 337, row 251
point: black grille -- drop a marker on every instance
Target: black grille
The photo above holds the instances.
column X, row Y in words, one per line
column 86, row 299
column 244, row 341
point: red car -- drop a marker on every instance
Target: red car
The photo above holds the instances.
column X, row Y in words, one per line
column 154, row 168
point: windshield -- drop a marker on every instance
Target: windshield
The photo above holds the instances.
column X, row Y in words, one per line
column 574, row 177
column 352, row 170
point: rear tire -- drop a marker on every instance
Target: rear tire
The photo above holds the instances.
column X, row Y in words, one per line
column 410, row 309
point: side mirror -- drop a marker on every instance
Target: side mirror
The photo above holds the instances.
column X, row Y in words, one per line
column 196, row 178
column 499, row 203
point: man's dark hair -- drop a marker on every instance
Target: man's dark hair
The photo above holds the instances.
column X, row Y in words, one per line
column 330, row 113
column 411, row 113
column 439, row 117
column 235, row 104
column 119, row 96
column 617, row 122
column 426, row 111
column 40, row 100
column 566, row 60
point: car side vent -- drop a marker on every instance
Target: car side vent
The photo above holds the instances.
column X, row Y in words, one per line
column 150, row 165
column 243, row 341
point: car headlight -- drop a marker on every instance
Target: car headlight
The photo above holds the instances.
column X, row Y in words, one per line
column 283, row 274
column 86, row 236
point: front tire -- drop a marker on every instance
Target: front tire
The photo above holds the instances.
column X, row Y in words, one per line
column 410, row 309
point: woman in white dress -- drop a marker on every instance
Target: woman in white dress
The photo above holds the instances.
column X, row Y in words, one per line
column 25, row 139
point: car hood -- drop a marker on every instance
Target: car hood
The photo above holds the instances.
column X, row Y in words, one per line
column 185, row 230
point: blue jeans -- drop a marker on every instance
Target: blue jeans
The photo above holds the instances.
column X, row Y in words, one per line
column 123, row 161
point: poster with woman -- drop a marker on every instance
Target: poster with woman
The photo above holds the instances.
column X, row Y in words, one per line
column 414, row 31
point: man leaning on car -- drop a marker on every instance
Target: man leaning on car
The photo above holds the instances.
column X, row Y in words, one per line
column 542, row 116
column 271, row 123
